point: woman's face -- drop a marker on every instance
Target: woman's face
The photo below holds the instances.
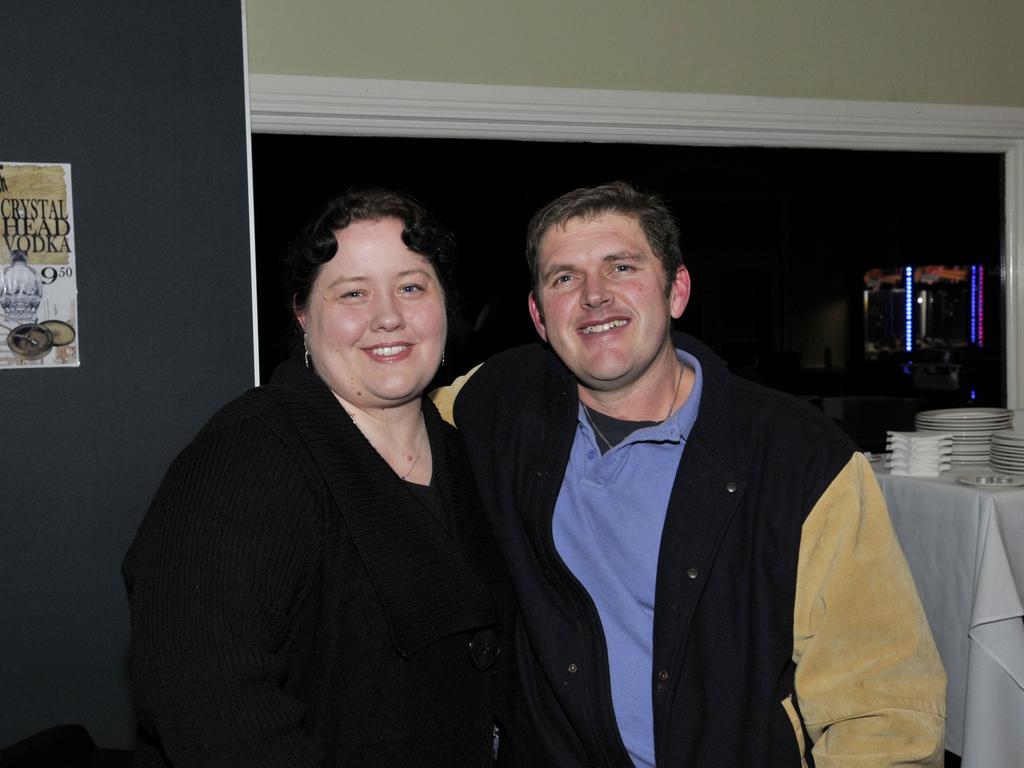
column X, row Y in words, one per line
column 375, row 320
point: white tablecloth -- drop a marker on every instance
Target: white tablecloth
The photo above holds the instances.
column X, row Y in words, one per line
column 965, row 547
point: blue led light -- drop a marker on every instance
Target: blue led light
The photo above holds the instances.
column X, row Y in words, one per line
column 908, row 310
column 981, row 305
column 974, row 304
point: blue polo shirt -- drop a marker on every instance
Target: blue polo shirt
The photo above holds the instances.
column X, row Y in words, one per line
column 607, row 529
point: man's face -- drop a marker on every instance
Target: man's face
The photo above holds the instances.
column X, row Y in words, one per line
column 601, row 302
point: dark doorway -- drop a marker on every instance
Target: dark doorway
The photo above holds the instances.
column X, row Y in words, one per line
column 784, row 246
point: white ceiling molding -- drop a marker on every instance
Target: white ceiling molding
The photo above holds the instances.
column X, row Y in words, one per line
column 358, row 107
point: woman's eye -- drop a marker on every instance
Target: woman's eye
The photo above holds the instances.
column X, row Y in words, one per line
column 346, row 296
column 411, row 288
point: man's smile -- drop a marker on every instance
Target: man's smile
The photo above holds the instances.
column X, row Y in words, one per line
column 608, row 325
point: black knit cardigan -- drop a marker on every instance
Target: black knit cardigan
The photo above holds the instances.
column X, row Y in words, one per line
column 293, row 603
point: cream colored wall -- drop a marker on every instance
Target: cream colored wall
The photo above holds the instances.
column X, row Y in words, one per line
column 944, row 51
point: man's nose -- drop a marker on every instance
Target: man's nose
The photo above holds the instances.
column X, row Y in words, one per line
column 596, row 292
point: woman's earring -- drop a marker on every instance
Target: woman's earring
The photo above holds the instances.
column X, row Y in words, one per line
column 305, row 347
column 442, row 359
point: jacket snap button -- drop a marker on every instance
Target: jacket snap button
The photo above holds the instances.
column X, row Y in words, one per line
column 572, row 669
column 484, row 648
column 730, row 487
column 692, row 573
column 663, row 675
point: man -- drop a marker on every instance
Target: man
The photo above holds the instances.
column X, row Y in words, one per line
column 706, row 569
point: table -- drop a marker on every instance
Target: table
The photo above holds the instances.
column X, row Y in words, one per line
column 965, row 548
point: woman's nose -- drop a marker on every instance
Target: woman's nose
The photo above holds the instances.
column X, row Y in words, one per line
column 387, row 315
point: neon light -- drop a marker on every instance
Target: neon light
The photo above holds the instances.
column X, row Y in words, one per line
column 981, row 305
column 974, row 304
column 908, row 309
column 974, row 395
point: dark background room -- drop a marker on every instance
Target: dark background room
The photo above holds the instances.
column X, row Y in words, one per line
column 798, row 256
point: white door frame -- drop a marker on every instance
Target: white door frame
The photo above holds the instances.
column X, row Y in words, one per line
column 359, row 107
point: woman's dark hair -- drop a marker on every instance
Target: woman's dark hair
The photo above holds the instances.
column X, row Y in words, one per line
column 317, row 244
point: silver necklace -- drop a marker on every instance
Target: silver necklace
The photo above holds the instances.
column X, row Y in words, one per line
column 419, row 444
column 419, row 450
column 597, row 431
column 672, row 402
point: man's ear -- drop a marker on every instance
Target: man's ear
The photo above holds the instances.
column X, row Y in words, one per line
column 537, row 316
column 679, row 292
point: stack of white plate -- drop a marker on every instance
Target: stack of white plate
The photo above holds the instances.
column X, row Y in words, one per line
column 923, row 454
column 971, row 428
column 1008, row 452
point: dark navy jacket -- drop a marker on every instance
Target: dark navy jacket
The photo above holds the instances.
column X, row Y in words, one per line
column 722, row 682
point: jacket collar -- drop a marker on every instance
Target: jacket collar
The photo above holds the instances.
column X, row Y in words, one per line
column 430, row 581
column 713, row 427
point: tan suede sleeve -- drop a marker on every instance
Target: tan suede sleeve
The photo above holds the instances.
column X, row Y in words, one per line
column 444, row 397
column 869, row 681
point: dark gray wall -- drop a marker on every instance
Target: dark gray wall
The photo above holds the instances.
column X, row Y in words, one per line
column 145, row 100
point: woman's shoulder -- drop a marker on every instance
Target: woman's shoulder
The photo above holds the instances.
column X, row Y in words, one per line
column 261, row 418
column 236, row 481
column 248, row 438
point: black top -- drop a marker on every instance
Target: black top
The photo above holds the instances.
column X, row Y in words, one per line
column 610, row 431
column 293, row 604
column 430, row 499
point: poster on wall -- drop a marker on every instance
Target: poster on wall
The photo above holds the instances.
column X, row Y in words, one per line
column 38, row 289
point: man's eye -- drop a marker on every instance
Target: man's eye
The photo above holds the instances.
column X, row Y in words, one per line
column 623, row 267
column 561, row 279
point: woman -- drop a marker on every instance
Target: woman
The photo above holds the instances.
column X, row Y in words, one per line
column 314, row 584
